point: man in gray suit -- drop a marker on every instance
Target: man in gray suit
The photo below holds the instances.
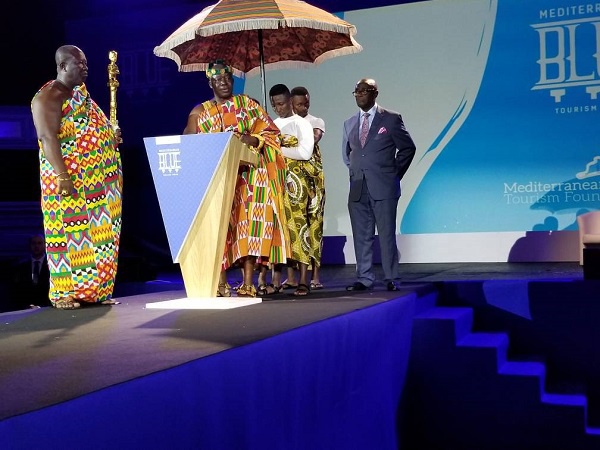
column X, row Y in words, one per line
column 377, row 150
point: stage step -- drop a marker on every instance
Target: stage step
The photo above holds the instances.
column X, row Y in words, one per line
column 463, row 387
column 458, row 321
column 426, row 301
column 556, row 319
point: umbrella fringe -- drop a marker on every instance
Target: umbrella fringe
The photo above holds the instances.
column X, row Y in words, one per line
column 166, row 53
column 270, row 24
column 180, row 35
column 307, row 23
column 188, row 33
column 241, row 25
column 164, row 48
column 196, row 67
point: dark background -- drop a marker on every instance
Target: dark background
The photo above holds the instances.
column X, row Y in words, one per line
column 32, row 31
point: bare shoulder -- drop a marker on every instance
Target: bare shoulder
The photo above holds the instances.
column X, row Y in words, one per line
column 197, row 109
column 192, row 121
column 52, row 95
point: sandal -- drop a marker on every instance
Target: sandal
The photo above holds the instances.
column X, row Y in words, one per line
column 286, row 285
column 316, row 285
column 110, row 302
column 246, row 290
column 268, row 289
column 302, row 290
column 66, row 303
column 224, row 290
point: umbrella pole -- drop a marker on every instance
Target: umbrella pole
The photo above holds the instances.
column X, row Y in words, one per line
column 262, row 69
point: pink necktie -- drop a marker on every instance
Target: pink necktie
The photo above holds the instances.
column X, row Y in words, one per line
column 364, row 129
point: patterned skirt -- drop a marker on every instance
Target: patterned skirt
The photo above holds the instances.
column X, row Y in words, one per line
column 304, row 205
column 82, row 231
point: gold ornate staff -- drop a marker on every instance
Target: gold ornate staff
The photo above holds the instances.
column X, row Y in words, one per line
column 113, row 84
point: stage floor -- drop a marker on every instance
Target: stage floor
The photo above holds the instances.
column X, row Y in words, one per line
column 49, row 356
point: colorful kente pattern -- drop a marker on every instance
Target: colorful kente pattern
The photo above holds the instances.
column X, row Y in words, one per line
column 82, row 231
column 257, row 226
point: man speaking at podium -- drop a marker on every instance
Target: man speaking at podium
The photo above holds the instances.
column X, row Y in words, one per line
column 257, row 228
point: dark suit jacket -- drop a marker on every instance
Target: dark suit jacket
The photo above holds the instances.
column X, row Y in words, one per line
column 385, row 158
column 25, row 292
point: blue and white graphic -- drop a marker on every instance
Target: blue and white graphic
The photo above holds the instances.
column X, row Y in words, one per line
column 523, row 158
column 182, row 168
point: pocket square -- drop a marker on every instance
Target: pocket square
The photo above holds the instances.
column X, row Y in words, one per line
column 382, row 130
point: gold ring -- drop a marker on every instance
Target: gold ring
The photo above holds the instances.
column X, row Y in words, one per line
column 65, row 193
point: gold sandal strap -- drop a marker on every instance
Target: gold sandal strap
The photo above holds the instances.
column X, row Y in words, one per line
column 224, row 290
column 247, row 290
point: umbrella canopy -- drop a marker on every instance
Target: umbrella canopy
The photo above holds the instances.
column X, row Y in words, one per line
column 257, row 35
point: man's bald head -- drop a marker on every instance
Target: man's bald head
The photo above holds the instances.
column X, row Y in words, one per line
column 64, row 52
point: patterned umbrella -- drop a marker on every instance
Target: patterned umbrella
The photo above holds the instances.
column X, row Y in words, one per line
column 257, row 35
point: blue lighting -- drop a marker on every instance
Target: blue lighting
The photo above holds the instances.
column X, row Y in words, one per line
column 10, row 129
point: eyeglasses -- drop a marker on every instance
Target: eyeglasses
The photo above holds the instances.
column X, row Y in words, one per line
column 363, row 91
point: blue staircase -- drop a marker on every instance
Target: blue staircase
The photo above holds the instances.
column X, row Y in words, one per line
column 464, row 393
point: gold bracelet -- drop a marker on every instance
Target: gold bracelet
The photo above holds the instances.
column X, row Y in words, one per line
column 63, row 179
column 62, row 173
column 261, row 141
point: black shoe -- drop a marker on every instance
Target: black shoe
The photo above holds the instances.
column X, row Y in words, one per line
column 357, row 286
column 393, row 286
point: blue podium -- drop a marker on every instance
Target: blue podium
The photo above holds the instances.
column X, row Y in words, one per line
column 194, row 177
